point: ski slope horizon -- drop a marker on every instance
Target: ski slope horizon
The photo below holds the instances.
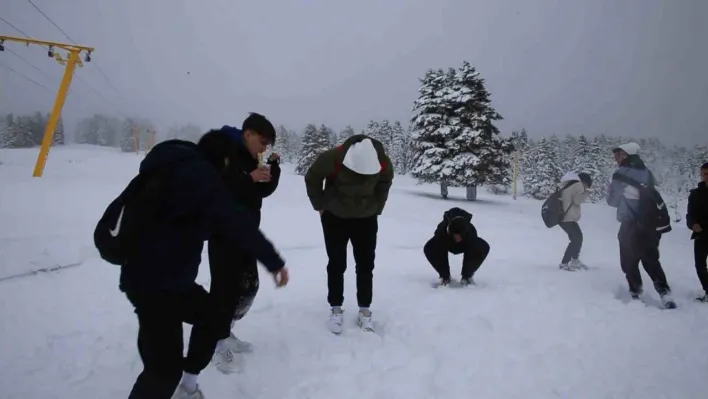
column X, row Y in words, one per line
column 527, row 330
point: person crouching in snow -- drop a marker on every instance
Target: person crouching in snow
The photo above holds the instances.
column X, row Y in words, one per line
column 575, row 189
column 357, row 177
column 456, row 235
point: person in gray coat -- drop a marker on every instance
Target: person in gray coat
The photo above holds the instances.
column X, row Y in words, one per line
column 575, row 189
column 635, row 243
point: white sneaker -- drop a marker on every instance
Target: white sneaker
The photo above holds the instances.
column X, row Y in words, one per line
column 336, row 319
column 181, row 393
column 364, row 320
column 237, row 345
column 578, row 264
column 225, row 361
column 567, row 267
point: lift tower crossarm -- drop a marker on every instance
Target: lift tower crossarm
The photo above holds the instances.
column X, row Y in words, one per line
column 64, row 46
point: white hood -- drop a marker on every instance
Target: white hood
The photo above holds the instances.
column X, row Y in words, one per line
column 568, row 176
column 362, row 158
column 630, row 148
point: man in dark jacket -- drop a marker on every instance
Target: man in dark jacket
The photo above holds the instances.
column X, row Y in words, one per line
column 191, row 205
column 456, row 235
column 697, row 221
column 357, row 177
column 636, row 244
column 234, row 271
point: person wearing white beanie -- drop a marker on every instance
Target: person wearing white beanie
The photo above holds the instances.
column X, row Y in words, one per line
column 638, row 237
column 357, row 177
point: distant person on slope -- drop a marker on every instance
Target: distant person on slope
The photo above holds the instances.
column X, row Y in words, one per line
column 234, row 270
column 162, row 226
column 456, row 234
column 638, row 239
column 357, row 177
column 697, row 221
column 575, row 190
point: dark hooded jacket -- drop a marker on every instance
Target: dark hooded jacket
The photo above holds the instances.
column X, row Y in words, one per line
column 195, row 205
column 698, row 209
column 456, row 221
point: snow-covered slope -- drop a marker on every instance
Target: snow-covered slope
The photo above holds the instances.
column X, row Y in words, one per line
column 527, row 331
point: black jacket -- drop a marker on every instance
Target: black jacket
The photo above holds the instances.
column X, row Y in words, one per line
column 197, row 205
column 248, row 193
column 450, row 225
column 698, row 208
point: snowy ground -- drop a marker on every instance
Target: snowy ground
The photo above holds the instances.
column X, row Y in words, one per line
column 527, row 331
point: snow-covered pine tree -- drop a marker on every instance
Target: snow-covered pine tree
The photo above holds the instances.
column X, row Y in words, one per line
column 586, row 158
column 430, row 131
column 385, row 135
column 326, row 131
column 59, row 132
column 127, row 140
column 8, row 137
column 294, row 144
column 567, row 152
column 314, row 142
column 347, row 132
column 479, row 153
column 544, row 173
column 281, row 145
column 400, row 141
column 372, row 129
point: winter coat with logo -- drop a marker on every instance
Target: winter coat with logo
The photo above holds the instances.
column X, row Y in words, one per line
column 349, row 194
column 698, row 209
column 196, row 205
column 624, row 197
column 572, row 197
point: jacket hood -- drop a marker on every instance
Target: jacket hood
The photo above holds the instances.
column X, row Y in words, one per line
column 234, row 133
column 702, row 184
column 569, row 176
column 630, row 148
column 361, row 155
column 169, row 153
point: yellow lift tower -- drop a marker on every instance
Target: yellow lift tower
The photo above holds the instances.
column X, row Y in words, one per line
column 70, row 61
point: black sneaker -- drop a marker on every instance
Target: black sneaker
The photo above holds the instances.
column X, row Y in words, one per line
column 444, row 282
column 465, row 281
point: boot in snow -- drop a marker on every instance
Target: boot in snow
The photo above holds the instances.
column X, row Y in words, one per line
column 577, row 264
column 668, row 301
column 182, row 393
column 224, row 359
column 443, row 281
column 567, row 267
column 465, row 281
column 635, row 294
column 364, row 320
column 237, row 345
column 336, row 319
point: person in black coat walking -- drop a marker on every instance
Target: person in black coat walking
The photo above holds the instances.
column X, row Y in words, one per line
column 234, row 271
column 456, row 235
column 187, row 206
column 697, row 221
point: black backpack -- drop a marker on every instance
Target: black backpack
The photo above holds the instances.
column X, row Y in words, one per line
column 128, row 218
column 653, row 214
column 552, row 211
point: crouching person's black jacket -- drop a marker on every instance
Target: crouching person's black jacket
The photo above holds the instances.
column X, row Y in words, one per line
column 456, row 221
column 195, row 205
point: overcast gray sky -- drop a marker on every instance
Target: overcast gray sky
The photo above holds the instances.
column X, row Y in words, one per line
column 620, row 67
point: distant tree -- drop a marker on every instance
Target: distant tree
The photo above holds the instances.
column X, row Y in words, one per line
column 314, row 143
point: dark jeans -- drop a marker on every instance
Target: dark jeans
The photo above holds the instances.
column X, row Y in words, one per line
column 638, row 245
column 700, row 251
column 234, row 283
column 160, row 340
column 474, row 253
column 362, row 233
column 575, row 235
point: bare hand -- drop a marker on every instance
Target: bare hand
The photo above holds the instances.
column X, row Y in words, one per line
column 261, row 174
column 697, row 228
column 281, row 277
column 274, row 156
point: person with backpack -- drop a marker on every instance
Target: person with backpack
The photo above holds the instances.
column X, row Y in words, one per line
column 643, row 218
column 357, row 177
column 456, row 234
column 697, row 221
column 155, row 230
column 575, row 189
column 234, row 270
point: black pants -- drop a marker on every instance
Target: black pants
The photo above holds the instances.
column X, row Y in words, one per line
column 638, row 245
column 700, row 250
column 575, row 235
column 160, row 340
column 234, row 283
column 474, row 253
column 362, row 233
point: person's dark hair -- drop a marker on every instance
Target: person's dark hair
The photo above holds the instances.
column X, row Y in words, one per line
column 260, row 125
column 585, row 178
column 705, row 166
column 215, row 146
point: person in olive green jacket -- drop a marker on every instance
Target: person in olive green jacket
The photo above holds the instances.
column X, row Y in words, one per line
column 357, row 177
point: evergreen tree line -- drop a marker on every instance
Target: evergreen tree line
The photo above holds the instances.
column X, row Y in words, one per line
column 543, row 162
column 25, row 131
column 109, row 131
